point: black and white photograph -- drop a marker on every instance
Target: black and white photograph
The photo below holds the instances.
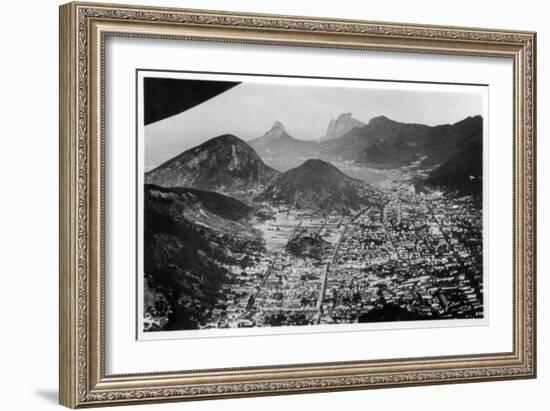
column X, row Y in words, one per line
column 273, row 201
column 255, row 201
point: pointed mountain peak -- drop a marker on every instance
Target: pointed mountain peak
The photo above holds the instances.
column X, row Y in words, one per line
column 341, row 125
column 278, row 126
column 276, row 131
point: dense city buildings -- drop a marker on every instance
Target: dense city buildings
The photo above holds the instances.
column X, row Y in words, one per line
column 377, row 222
column 405, row 256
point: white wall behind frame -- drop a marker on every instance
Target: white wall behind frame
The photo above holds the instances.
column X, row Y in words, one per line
column 28, row 217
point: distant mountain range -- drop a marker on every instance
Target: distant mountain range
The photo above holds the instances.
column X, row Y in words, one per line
column 384, row 143
column 381, row 143
column 223, row 163
column 228, row 164
column 315, row 185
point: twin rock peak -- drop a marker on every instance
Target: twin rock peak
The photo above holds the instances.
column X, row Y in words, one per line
column 344, row 123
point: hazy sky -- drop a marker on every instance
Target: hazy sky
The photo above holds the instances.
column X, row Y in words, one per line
column 250, row 109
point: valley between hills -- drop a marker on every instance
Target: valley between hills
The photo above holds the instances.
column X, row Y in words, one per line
column 374, row 222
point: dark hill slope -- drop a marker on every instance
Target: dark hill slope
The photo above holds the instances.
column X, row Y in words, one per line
column 190, row 236
column 315, row 184
column 223, row 163
column 462, row 173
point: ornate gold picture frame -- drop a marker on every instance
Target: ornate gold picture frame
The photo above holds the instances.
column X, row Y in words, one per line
column 84, row 30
